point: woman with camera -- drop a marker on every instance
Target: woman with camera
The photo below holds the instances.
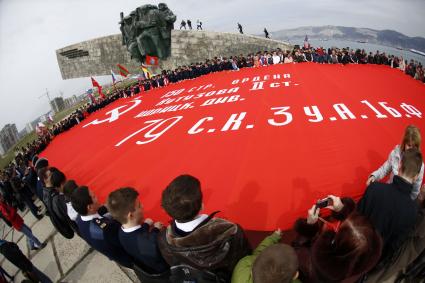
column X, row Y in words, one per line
column 340, row 248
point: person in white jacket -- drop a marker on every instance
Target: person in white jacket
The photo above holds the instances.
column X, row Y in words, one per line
column 402, row 65
column 411, row 139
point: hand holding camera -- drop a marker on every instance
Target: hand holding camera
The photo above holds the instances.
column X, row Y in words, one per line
column 313, row 215
column 331, row 202
column 337, row 204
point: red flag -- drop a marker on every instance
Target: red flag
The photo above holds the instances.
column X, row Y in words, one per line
column 123, row 71
column 94, row 83
column 152, row 60
column 99, row 87
column 100, row 92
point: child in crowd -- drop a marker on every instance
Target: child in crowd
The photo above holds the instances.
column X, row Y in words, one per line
column 55, row 201
column 101, row 233
column 136, row 238
column 270, row 262
column 199, row 240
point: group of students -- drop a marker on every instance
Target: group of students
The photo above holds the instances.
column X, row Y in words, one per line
column 370, row 241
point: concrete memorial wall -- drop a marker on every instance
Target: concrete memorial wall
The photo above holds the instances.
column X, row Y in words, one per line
column 99, row 56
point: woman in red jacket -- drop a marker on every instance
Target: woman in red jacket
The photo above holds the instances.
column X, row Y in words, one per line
column 13, row 217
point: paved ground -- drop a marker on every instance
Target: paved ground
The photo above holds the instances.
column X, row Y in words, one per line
column 63, row 260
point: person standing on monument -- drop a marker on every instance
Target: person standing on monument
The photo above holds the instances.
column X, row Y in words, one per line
column 189, row 24
column 266, row 33
column 240, row 28
column 183, row 24
column 198, row 25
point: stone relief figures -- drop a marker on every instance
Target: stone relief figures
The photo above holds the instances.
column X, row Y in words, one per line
column 147, row 31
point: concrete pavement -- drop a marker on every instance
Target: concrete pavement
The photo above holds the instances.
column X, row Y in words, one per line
column 62, row 260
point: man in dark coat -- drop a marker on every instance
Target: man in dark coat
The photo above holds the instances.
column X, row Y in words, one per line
column 410, row 255
column 389, row 206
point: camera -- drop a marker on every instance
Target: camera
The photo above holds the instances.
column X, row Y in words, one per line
column 321, row 203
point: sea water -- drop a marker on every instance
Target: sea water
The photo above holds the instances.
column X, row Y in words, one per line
column 368, row 47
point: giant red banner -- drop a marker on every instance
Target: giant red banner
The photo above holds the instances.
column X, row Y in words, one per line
column 266, row 142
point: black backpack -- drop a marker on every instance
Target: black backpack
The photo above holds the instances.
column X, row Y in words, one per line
column 58, row 216
column 146, row 277
column 188, row 274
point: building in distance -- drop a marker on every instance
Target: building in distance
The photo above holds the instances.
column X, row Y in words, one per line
column 57, row 104
column 8, row 138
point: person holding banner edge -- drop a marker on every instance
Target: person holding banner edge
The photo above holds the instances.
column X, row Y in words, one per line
column 411, row 139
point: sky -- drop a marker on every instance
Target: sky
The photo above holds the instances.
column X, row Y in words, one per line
column 32, row 30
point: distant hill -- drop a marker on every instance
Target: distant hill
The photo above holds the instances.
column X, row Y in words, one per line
column 383, row 37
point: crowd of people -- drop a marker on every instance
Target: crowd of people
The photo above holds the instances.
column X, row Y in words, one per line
column 189, row 24
column 370, row 241
column 379, row 237
column 265, row 58
column 233, row 63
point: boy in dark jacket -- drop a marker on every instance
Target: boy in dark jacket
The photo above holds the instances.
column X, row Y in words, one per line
column 101, row 233
column 55, row 202
column 136, row 238
column 199, row 240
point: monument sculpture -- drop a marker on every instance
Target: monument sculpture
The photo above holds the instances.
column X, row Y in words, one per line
column 147, row 31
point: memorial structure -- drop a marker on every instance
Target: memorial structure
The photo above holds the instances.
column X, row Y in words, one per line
column 148, row 30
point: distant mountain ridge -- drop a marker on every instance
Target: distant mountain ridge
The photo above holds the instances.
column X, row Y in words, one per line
column 383, row 37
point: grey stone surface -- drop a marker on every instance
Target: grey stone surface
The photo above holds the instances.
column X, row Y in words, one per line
column 9, row 267
column 69, row 251
column 13, row 235
column 19, row 277
column 97, row 268
column 4, row 229
column 45, row 261
column 22, row 244
column 43, row 229
column 65, row 260
column 187, row 47
column 130, row 273
column 29, row 219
